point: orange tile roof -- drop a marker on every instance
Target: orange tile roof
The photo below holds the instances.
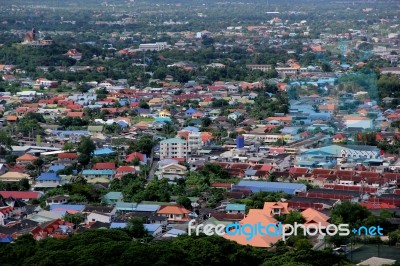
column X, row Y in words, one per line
column 173, row 209
column 27, row 157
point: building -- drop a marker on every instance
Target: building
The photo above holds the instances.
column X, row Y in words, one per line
column 257, row 186
column 174, row 213
column 173, row 148
column 263, row 68
column 48, row 180
column 194, row 140
column 286, row 71
column 158, row 46
column 358, row 122
column 173, row 171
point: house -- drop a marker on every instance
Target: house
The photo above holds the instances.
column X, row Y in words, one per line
column 124, row 170
column 96, row 216
column 339, row 137
column 74, row 54
column 164, row 113
column 14, row 177
column 22, row 195
column 275, row 208
column 136, row 155
column 235, row 208
column 48, row 180
column 67, row 156
column 235, row 115
column 104, row 166
column 174, row 213
column 153, row 229
column 60, row 199
column 104, row 151
column 91, row 174
column 189, row 112
column 112, row 198
column 173, row 171
column 26, row 159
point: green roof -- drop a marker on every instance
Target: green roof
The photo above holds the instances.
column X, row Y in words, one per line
column 235, row 207
column 113, row 195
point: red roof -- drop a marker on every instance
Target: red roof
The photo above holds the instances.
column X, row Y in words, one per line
column 135, row 155
column 68, row 155
column 104, row 166
column 298, row 170
column 222, row 185
column 21, row 194
column 75, row 114
column 125, row 169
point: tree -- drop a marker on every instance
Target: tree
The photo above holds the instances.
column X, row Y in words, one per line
column 206, row 122
column 294, row 217
column 144, row 145
column 351, row 213
column 136, row 228
column 86, row 146
column 68, row 147
column 23, row 184
column 185, row 202
column 143, row 104
column 83, row 159
column 76, row 218
column 302, row 244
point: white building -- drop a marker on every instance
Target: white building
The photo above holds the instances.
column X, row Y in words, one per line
column 173, row 148
column 358, row 121
column 194, row 141
column 260, row 67
column 98, row 217
column 158, row 46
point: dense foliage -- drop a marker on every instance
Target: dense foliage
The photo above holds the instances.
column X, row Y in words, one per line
column 115, row 247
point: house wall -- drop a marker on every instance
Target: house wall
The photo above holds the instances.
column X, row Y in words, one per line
column 94, row 217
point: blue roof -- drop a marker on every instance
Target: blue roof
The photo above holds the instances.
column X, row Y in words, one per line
column 318, row 116
column 163, row 119
column 126, row 206
column 6, row 239
column 70, row 132
column 118, row 225
column 147, row 208
column 235, row 207
column 56, row 168
column 151, row 227
column 98, row 172
column 192, row 129
column 122, row 123
column 48, row 177
column 113, row 195
column 191, row 110
column 103, row 151
column 257, row 186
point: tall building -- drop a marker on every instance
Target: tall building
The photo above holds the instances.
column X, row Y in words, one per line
column 173, row 148
column 194, row 141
